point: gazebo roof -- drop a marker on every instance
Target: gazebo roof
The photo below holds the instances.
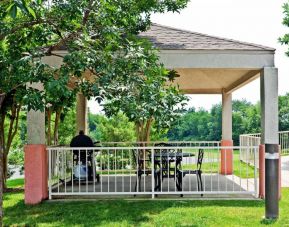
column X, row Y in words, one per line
column 169, row 38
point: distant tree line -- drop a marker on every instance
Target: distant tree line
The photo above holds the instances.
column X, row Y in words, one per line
column 193, row 124
column 207, row 125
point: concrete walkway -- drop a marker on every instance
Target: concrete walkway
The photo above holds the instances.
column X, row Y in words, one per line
column 285, row 171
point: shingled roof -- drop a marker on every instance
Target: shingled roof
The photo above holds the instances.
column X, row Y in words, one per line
column 168, row 38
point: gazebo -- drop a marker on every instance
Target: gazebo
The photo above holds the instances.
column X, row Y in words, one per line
column 206, row 65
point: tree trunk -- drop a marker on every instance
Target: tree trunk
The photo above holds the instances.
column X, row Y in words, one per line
column 1, row 159
column 56, row 125
column 148, row 130
column 2, row 97
column 2, row 150
column 1, row 183
column 13, row 128
column 48, row 114
column 5, row 169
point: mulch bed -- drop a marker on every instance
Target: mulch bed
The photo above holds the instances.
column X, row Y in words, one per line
column 13, row 190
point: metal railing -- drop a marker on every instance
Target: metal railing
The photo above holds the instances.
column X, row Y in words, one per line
column 284, row 142
column 255, row 140
column 250, row 140
column 151, row 170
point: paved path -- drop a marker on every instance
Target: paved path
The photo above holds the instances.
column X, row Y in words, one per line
column 285, row 171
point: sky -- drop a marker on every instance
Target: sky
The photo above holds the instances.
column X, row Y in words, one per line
column 255, row 21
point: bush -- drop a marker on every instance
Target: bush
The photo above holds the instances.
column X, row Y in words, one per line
column 16, row 157
column 10, row 172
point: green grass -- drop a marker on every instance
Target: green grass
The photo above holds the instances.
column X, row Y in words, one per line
column 15, row 183
column 141, row 213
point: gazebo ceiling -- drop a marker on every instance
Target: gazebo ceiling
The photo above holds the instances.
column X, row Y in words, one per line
column 214, row 81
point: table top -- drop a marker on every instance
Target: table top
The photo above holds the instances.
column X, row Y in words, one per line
column 174, row 154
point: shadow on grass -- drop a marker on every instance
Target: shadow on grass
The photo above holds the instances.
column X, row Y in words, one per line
column 102, row 212
column 265, row 221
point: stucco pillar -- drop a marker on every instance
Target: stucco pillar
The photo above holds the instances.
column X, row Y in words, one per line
column 36, row 181
column 226, row 154
column 81, row 114
column 269, row 126
column 269, row 105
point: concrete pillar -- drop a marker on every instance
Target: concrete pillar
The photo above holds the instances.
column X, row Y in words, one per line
column 269, row 105
column 81, row 114
column 35, row 159
column 269, row 124
column 36, row 123
column 226, row 154
column 226, row 116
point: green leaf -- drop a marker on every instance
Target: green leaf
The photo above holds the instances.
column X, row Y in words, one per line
column 31, row 11
column 13, row 11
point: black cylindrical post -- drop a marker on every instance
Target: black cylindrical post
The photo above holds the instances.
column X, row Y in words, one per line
column 272, row 181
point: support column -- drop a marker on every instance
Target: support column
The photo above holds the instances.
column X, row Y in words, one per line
column 36, row 172
column 226, row 154
column 81, row 114
column 269, row 138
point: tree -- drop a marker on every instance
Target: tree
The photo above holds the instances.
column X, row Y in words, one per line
column 143, row 93
column 284, row 112
column 114, row 129
column 94, row 32
column 59, row 100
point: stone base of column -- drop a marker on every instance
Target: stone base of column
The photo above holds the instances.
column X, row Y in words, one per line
column 262, row 172
column 36, row 173
column 226, row 157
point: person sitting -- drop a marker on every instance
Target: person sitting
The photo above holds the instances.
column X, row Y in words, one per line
column 83, row 157
column 81, row 140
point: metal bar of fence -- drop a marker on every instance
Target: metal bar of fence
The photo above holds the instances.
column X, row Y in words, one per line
column 49, row 173
column 116, row 176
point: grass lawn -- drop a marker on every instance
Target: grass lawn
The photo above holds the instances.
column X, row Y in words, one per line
column 15, row 183
column 140, row 213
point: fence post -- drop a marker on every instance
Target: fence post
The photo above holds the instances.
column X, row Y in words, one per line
column 153, row 173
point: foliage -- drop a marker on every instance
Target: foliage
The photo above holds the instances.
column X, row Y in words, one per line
column 284, row 112
column 144, row 93
column 94, row 32
column 16, row 157
column 285, row 39
column 207, row 126
column 114, row 129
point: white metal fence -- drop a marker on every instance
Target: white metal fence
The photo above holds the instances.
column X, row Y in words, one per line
column 150, row 170
column 255, row 140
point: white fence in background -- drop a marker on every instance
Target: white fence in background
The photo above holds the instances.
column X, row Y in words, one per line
column 160, row 170
column 255, row 140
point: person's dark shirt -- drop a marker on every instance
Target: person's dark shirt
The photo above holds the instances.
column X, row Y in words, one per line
column 81, row 141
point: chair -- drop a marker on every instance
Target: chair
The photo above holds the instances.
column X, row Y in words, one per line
column 141, row 158
column 197, row 171
column 168, row 156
